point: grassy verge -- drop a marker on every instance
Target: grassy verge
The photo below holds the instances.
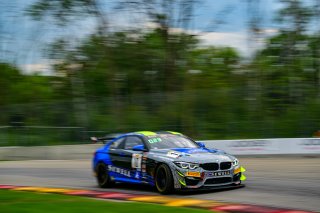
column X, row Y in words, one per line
column 27, row 202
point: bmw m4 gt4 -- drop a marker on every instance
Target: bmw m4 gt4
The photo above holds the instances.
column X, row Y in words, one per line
column 167, row 160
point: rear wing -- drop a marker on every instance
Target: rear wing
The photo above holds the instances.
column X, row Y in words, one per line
column 102, row 139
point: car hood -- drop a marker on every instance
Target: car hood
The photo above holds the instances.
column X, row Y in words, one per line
column 194, row 155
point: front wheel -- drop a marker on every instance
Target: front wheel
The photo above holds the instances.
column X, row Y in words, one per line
column 103, row 177
column 164, row 179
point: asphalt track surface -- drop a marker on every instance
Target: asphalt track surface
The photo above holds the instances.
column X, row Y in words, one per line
column 285, row 182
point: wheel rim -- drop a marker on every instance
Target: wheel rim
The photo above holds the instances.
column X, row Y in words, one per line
column 161, row 179
column 102, row 175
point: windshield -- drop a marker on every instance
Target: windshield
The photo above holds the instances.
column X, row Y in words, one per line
column 163, row 141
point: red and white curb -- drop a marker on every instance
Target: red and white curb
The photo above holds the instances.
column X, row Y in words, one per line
column 215, row 206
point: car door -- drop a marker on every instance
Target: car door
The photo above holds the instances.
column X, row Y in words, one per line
column 115, row 152
column 131, row 160
column 126, row 163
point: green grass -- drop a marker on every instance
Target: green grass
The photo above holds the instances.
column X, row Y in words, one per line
column 28, row 202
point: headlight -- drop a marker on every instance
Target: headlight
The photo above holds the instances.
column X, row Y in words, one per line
column 235, row 162
column 185, row 165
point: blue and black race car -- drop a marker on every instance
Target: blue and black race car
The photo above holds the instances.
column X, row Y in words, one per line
column 167, row 160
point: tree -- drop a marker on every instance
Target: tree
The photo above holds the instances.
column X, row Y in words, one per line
column 291, row 46
column 66, row 11
column 295, row 16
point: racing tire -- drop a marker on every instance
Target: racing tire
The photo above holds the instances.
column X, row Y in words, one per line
column 103, row 177
column 164, row 179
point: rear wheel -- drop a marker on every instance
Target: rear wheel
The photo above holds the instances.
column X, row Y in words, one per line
column 164, row 179
column 103, row 177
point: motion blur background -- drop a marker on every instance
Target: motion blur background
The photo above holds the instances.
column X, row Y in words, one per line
column 232, row 69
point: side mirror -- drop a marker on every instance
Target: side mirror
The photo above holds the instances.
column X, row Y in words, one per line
column 201, row 144
column 138, row 148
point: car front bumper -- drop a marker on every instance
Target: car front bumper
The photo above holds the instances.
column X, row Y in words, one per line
column 202, row 179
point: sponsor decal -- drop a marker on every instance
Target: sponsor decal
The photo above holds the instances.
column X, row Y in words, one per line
column 193, row 174
column 173, row 154
column 311, row 142
column 137, row 176
column 119, row 170
column 251, row 143
column 218, row 174
column 136, row 161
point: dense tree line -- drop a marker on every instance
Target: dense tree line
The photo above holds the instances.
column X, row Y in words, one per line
column 157, row 79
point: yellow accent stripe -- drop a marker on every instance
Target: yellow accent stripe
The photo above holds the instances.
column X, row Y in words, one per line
column 179, row 173
column 43, row 189
column 182, row 182
column 176, row 133
column 153, row 199
column 147, row 133
column 209, row 204
column 185, row 202
column 54, row 190
column 27, row 188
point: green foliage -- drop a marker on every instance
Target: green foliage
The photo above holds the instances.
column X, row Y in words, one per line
column 157, row 79
column 62, row 10
column 17, row 88
column 295, row 15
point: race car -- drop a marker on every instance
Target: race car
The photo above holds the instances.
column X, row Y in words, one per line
column 167, row 160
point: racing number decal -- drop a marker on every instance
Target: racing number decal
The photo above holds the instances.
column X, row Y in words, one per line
column 136, row 161
column 154, row 140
